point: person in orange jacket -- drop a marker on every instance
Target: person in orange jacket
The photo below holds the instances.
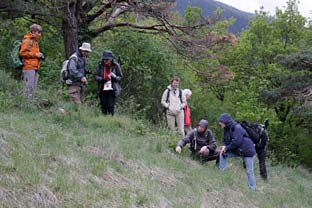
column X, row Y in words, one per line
column 31, row 55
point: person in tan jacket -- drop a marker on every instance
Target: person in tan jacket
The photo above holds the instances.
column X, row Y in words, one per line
column 174, row 102
column 31, row 55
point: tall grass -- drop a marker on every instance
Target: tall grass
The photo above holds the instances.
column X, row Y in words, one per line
column 81, row 158
column 84, row 159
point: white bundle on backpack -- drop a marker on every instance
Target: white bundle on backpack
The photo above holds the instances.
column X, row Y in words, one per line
column 64, row 74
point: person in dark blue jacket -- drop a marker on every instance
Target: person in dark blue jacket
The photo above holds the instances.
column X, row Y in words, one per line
column 236, row 143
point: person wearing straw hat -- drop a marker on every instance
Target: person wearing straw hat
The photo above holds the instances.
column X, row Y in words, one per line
column 78, row 73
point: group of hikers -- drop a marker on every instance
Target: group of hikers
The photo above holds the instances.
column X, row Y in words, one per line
column 108, row 72
column 201, row 140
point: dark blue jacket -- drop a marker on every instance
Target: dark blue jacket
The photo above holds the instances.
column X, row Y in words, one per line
column 236, row 138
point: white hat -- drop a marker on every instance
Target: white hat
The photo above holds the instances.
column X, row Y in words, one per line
column 85, row 47
column 187, row 92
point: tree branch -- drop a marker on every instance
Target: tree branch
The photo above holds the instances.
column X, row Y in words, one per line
column 156, row 27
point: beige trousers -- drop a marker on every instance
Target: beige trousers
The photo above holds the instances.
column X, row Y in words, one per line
column 187, row 129
column 76, row 94
column 178, row 120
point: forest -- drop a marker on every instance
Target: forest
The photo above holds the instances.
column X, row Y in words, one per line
column 264, row 72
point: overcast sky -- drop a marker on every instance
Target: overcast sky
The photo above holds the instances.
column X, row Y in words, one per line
column 305, row 6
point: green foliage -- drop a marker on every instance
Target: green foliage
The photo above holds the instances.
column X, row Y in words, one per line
column 10, row 94
column 289, row 26
column 11, row 31
column 271, row 72
column 289, row 145
column 192, row 16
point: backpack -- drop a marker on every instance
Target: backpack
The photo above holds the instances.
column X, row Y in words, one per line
column 64, row 74
column 168, row 93
column 167, row 99
column 254, row 130
column 193, row 145
column 16, row 59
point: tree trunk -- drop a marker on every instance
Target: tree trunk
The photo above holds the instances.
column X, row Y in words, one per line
column 70, row 28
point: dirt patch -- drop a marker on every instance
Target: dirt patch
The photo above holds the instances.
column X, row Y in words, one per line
column 43, row 198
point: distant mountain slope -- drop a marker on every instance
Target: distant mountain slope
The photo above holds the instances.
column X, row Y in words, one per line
column 209, row 6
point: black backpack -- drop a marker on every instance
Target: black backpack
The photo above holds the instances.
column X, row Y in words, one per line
column 193, row 145
column 167, row 99
column 254, row 130
column 168, row 93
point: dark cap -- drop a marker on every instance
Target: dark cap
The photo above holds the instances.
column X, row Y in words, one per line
column 203, row 123
column 107, row 55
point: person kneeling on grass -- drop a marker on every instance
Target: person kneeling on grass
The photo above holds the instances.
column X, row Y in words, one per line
column 202, row 143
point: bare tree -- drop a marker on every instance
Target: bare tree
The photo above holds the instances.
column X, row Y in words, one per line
column 74, row 18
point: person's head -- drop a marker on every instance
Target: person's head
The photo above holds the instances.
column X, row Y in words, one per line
column 225, row 119
column 107, row 57
column 202, row 126
column 85, row 49
column 36, row 30
column 187, row 93
column 175, row 82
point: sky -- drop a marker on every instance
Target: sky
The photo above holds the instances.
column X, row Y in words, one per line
column 304, row 6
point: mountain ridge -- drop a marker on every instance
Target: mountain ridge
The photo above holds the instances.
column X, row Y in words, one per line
column 209, row 6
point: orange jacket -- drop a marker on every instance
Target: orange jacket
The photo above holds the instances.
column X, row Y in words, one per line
column 29, row 53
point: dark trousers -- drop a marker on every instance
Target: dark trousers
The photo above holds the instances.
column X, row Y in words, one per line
column 212, row 155
column 261, row 154
column 107, row 101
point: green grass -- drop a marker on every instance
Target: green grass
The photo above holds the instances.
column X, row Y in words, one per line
column 84, row 159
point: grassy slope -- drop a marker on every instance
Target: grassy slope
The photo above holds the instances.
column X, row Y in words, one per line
column 84, row 160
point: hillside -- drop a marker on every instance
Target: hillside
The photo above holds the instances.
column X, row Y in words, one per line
column 83, row 159
column 209, row 6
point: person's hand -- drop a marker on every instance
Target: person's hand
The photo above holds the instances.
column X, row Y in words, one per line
column 203, row 150
column 178, row 149
column 112, row 75
column 84, row 80
column 223, row 149
column 40, row 55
